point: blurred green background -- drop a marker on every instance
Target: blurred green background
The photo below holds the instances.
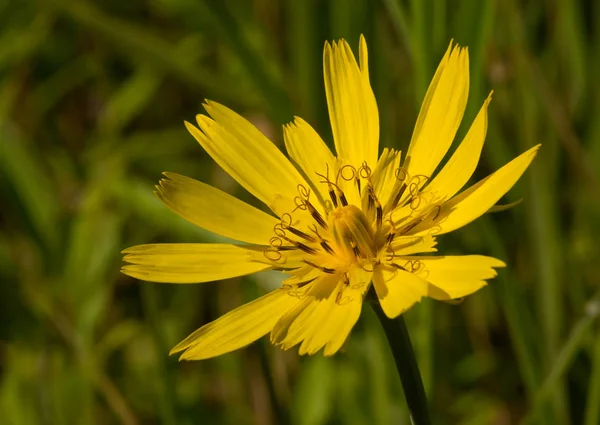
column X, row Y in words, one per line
column 92, row 101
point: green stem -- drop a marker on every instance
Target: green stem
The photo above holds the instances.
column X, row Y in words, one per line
column 406, row 363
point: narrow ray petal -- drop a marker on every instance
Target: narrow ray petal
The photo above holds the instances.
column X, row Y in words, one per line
column 456, row 276
column 479, row 198
column 413, row 245
column 397, row 289
column 237, row 328
column 460, row 167
column 347, row 316
column 247, row 155
column 192, row 263
column 310, row 153
column 384, row 176
column 441, row 113
column 352, row 107
column 347, row 311
column 299, row 323
column 215, row 210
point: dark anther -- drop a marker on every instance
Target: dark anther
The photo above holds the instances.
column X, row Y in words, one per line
column 398, row 266
column 399, row 195
column 301, row 234
column 305, row 248
column 409, row 227
column 286, row 248
column 390, row 237
column 333, row 197
column 370, row 201
column 358, row 184
column 379, row 215
column 323, row 269
column 356, row 251
column 316, row 215
column 343, row 199
column 302, row 284
column 327, row 247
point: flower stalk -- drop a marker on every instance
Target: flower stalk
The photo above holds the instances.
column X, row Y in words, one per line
column 406, row 363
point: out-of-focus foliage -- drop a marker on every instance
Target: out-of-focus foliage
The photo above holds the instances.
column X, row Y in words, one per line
column 92, row 100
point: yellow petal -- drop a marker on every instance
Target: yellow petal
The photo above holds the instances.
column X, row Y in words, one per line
column 310, row 153
column 384, row 176
column 476, row 200
column 215, row 210
column 459, row 169
column 352, row 106
column 347, row 311
column 440, row 114
column 192, row 263
column 300, row 322
column 413, row 245
column 324, row 317
column 346, row 316
column 397, row 289
column 237, row 328
column 456, row 276
column 247, row 155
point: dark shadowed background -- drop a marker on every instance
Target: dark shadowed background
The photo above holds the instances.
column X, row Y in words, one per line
column 92, row 101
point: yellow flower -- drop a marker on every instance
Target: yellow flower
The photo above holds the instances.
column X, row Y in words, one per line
column 343, row 222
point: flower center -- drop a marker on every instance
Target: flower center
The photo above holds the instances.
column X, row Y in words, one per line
column 353, row 228
column 352, row 233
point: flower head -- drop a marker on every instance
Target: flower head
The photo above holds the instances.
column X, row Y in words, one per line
column 340, row 223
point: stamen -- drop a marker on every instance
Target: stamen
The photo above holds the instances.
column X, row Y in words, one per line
column 327, row 247
column 343, row 199
column 301, row 234
column 333, row 197
column 398, row 196
column 304, row 247
column 323, row 269
column 379, row 216
column 355, row 249
column 398, row 266
column 316, row 215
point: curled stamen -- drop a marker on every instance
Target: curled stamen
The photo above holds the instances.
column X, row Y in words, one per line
column 413, row 266
column 276, row 242
column 286, row 220
column 347, row 177
column 272, row 254
column 390, row 254
column 301, row 204
column 330, row 186
column 401, row 173
column 415, row 202
column 278, row 230
column 303, row 191
column 364, row 171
